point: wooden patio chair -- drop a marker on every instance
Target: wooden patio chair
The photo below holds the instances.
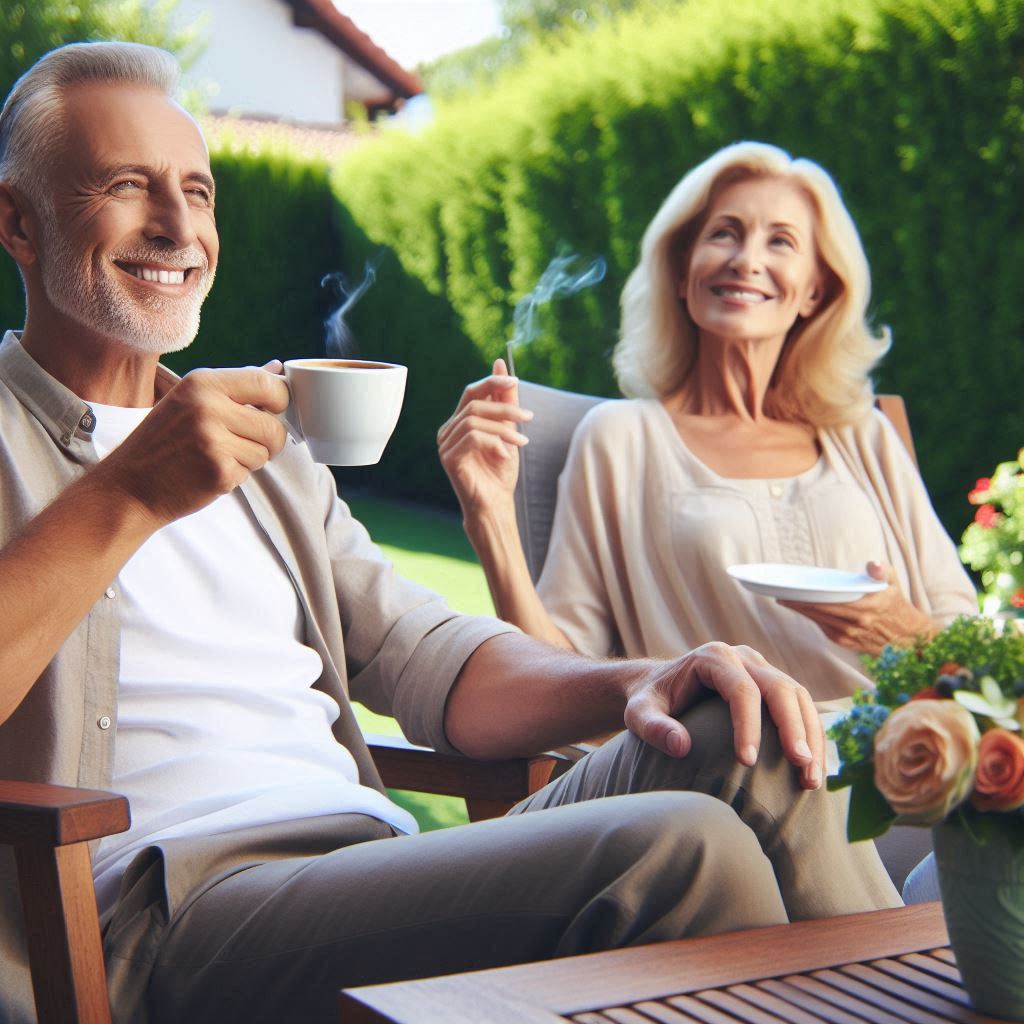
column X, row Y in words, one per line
column 50, row 827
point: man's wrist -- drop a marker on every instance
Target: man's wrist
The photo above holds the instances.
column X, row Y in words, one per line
column 117, row 503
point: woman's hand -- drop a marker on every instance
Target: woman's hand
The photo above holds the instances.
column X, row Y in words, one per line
column 867, row 625
column 479, row 445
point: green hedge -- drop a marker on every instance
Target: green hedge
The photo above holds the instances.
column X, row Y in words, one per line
column 916, row 106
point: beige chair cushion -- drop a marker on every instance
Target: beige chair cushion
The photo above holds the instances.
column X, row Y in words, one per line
column 556, row 415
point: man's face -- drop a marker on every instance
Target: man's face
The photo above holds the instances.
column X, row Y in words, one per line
column 129, row 248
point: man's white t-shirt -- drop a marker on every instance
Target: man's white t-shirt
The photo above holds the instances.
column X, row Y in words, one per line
column 218, row 725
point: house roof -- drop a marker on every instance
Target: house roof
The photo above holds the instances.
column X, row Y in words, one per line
column 323, row 16
column 231, row 133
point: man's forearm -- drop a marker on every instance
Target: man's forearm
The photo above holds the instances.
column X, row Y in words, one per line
column 517, row 696
column 53, row 572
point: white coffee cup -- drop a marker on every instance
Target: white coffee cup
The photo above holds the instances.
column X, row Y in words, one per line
column 345, row 409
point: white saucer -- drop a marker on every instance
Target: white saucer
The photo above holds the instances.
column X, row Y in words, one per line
column 805, row 582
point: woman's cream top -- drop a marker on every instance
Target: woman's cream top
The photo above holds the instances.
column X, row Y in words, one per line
column 644, row 531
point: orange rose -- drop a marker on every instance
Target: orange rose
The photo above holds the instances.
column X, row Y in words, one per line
column 925, row 753
column 999, row 781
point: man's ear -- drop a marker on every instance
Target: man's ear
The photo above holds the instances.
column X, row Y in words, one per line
column 17, row 224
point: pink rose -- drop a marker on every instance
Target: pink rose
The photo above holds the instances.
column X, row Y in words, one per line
column 999, row 783
column 925, row 753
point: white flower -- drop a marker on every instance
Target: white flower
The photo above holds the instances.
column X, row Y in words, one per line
column 991, row 703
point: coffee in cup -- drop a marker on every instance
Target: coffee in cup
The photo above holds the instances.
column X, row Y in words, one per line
column 345, row 409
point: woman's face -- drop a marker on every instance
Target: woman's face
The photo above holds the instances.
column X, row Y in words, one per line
column 753, row 268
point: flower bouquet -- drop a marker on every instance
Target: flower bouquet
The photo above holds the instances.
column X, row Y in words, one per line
column 993, row 544
column 939, row 743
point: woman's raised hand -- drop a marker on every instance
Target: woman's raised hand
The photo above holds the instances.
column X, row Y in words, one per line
column 479, row 448
column 479, row 445
column 867, row 625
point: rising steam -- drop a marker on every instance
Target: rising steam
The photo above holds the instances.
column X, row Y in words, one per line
column 562, row 277
column 340, row 341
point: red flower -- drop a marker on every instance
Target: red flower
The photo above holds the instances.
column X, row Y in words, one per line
column 987, row 516
column 980, row 492
column 999, row 784
column 949, row 668
column 1018, row 599
column 930, row 694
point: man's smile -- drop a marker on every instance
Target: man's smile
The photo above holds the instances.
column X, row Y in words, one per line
column 155, row 274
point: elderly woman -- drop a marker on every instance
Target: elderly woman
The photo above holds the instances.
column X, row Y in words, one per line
column 750, row 437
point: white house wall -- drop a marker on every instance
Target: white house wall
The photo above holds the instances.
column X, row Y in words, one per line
column 263, row 65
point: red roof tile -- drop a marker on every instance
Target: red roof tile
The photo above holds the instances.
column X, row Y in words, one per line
column 323, row 16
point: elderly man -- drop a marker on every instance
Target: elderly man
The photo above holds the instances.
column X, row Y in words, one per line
column 178, row 574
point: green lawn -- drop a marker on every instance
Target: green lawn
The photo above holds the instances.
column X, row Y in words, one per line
column 429, row 547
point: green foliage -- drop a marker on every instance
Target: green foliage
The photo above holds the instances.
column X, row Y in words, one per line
column 915, row 106
column 976, row 642
column 31, row 27
column 993, row 545
column 526, row 25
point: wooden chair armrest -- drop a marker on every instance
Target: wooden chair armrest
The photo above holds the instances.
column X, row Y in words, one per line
column 49, row 828
column 489, row 788
column 44, row 815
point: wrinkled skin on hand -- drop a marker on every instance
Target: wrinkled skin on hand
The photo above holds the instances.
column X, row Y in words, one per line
column 743, row 679
column 867, row 625
column 204, row 437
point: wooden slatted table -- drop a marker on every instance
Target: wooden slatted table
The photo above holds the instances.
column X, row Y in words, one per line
column 887, row 967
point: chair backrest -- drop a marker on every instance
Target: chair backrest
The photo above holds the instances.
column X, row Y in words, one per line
column 556, row 416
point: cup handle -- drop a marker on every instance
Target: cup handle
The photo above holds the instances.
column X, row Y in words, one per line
column 290, row 419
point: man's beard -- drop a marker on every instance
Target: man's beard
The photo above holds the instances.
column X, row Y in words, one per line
column 147, row 323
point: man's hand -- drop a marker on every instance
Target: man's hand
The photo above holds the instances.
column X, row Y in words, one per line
column 202, row 439
column 867, row 625
column 742, row 678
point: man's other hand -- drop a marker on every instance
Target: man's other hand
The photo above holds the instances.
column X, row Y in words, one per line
column 743, row 679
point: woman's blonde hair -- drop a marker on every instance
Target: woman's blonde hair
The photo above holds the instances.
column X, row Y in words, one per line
column 823, row 373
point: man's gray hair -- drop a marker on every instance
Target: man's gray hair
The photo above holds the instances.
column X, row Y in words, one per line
column 33, row 119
